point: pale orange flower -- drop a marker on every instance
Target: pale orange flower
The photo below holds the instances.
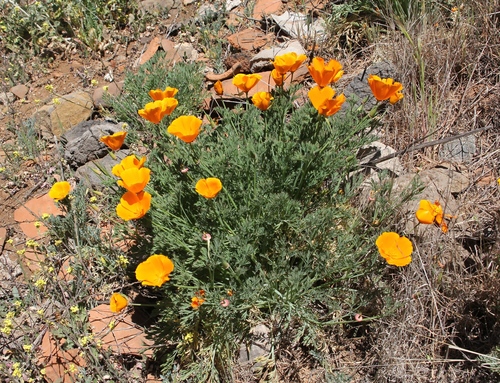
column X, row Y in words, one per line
column 385, row 88
column 155, row 270
column 262, row 100
column 324, row 74
column 219, row 90
column 117, row 302
column 245, row 82
column 394, row 249
column 158, row 94
column 127, row 163
column 185, row 128
column 288, row 62
column 133, row 206
column 59, row 190
column 134, row 179
column 322, row 99
column 156, row 110
column 209, row 187
column 114, row 141
column 431, row 213
column 278, row 78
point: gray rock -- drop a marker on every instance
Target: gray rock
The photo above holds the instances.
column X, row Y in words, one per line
column 460, row 150
column 299, row 26
column 94, row 173
column 83, row 143
column 376, row 150
column 358, row 89
column 6, row 98
column 262, row 60
column 186, row 51
column 256, row 352
column 157, row 6
column 230, row 4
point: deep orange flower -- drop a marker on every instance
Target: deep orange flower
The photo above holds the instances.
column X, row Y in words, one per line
column 209, row 187
column 325, row 74
column 322, row 99
column 155, row 270
column 288, row 62
column 186, row 128
column 158, row 94
column 117, row 302
column 156, row 110
column 385, row 88
column 134, row 179
column 431, row 213
column 394, row 249
column 219, row 88
column 262, row 100
column 278, row 78
column 133, row 206
column 59, row 190
column 196, row 302
column 114, row 141
column 127, row 163
column 245, row 82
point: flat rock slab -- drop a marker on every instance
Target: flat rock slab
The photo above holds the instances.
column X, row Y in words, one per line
column 459, row 150
column 95, row 172
column 125, row 337
column 264, row 8
column 299, row 26
column 32, row 211
column 249, row 39
column 21, row 91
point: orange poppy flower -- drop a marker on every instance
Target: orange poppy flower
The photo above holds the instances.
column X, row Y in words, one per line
column 262, row 100
column 134, row 179
column 158, row 94
column 394, row 249
column 59, row 190
column 117, row 302
column 322, row 99
column 385, row 88
column 155, row 270
column 278, row 78
column 127, row 163
column 325, row 74
column 196, row 302
column 288, row 62
column 219, row 88
column 431, row 213
column 209, row 187
column 156, row 110
column 133, row 206
column 245, row 82
column 186, row 128
column 114, row 141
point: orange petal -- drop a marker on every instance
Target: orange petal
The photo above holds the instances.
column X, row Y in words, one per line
column 209, row 187
column 155, row 270
column 185, row 128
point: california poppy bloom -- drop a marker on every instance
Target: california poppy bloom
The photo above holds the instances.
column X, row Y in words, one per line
column 156, row 110
column 288, row 62
column 134, row 179
column 322, row 99
column 155, row 270
column 262, row 100
column 245, row 82
column 117, row 302
column 186, row 128
column 158, row 94
column 324, row 74
column 114, row 141
column 431, row 213
column 198, row 299
column 278, row 78
column 385, row 88
column 127, row 163
column 394, row 249
column 133, row 206
column 219, row 90
column 209, row 187
column 59, row 190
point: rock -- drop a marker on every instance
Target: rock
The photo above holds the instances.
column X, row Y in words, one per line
column 180, row 52
column 459, row 150
column 114, row 89
column 187, row 2
column 83, row 143
column 10, row 267
column 262, row 60
column 71, row 109
column 299, row 26
column 230, row 4
column 376, row 150
column 257, row 350
column 266, row 7
column 32, row 211
column 93, row 173
column 150, row 50
column 6, row 98
column 21, row 91
column 249, row 39
column 358, row 89
column 456, row 182
column 206, row 13
column 157, row 6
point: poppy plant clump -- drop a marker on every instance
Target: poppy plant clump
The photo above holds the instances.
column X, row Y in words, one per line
column 324, row 74
column 59, row 190
column 394, row 249
column 155, row 270
column 430, row 213
column 185, row 128
column 209, row 187
column 114, row 141
column 133, row 206
column 385, row 88
column 117, row 302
